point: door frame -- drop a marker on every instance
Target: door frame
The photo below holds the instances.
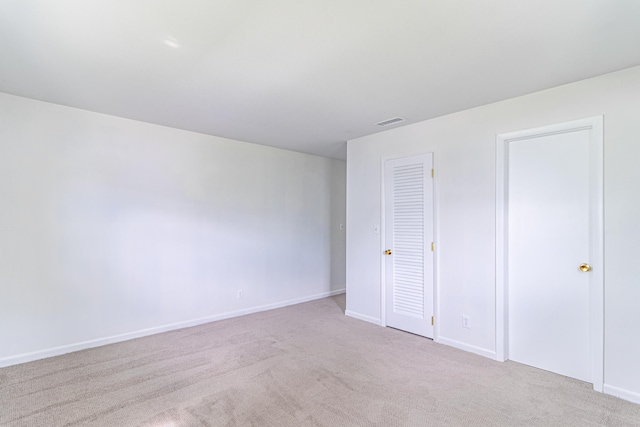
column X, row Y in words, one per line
column 382, row 230
column 596, row 259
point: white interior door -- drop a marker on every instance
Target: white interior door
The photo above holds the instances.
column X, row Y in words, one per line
column 408, row 238
column 552, row 233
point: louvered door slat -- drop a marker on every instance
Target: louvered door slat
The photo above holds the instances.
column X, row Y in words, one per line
column 408, row 242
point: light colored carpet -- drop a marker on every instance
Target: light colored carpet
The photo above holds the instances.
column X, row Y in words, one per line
column 303, row 365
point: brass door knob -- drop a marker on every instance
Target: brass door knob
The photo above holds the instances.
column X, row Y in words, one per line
column 387, row 252
column 585, row 267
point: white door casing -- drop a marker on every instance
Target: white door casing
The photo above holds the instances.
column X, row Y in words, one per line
column 549, row 220
column 409, row 268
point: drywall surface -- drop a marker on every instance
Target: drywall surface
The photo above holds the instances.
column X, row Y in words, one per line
column 338, row 200
column 109, row 227
column 465, row 156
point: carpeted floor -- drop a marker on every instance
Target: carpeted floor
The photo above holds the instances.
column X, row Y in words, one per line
column 303, row 365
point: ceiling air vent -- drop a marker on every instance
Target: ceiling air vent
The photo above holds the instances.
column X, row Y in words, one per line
column 390, row 122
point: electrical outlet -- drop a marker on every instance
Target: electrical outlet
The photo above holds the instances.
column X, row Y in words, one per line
column 341, row 226
column 466, row 321
column 240, row 294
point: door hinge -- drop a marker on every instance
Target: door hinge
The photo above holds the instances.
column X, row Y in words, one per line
column 433, row 320
column 433, row 173
column 433, row 246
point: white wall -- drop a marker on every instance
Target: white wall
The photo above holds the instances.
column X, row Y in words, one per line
column 338, row 200
column 465, row 155
column 112, row 228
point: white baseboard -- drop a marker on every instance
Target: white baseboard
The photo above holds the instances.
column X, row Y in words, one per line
column 491, row 354
column 338, row 291
column 629, row 395
column 57, row 351
column 363, row 317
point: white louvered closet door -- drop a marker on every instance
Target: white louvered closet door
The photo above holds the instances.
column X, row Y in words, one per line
column 409, row 235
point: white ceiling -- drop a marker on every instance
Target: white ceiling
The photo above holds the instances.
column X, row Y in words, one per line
column 304, row 75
